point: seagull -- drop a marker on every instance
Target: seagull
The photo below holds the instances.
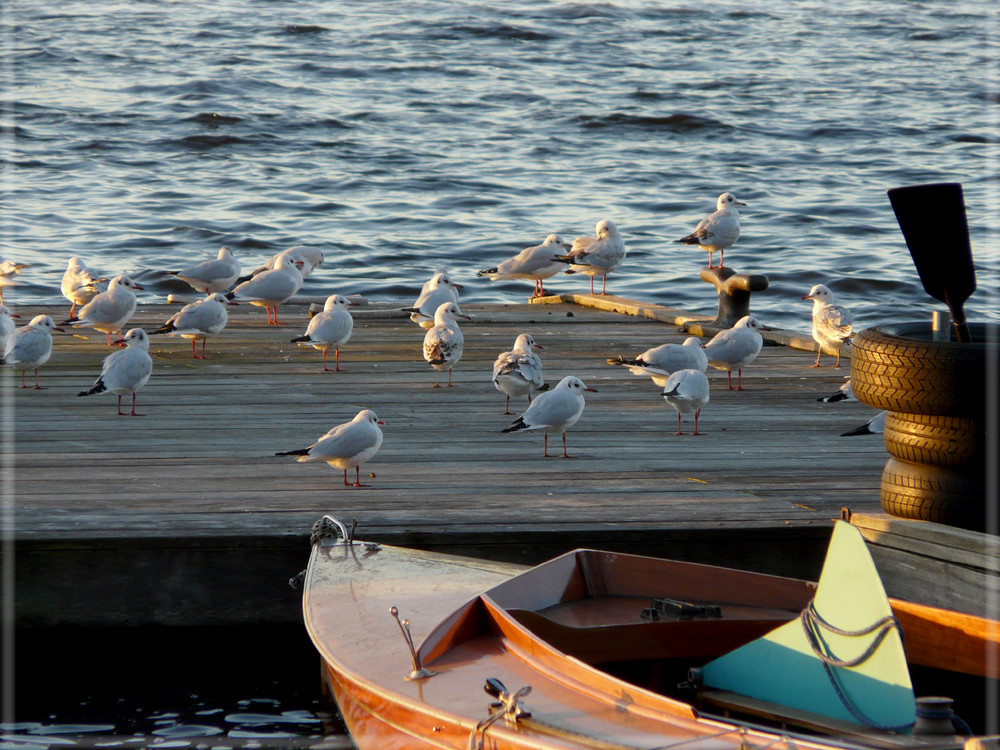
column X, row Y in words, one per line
column 831, row 322
column 198, row 321
column 718, row 230
column 8, row 270
column 736, row 347
column 444, row 342
column 596, row 256
column 438, row 290
column 554, row 411
column 536, row 263
column 686, row 391
column 30, row 347
column 332, row 327
column 272, row 287
column 125, row 371
column 346, row 445
column 79, row 283
column 659, row 362
column 844, row 393
column 874, row 426
column 109, row 311
column 212, row 275
column 311, row 258
column 7, row 326
column 519, row 371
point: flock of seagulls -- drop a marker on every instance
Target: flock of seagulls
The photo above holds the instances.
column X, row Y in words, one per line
column 679, row 370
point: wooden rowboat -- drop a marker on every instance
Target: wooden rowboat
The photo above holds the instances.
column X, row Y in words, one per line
column 612, row 651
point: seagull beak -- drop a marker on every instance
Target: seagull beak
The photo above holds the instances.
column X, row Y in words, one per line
column 232, row 303
column 458, row 286
column 56, row 328
column 592, row 390
column 741, row 203
column 14, row 315
column 538, row 346
column 136, row 286
column 807, row 297
column 380, row 422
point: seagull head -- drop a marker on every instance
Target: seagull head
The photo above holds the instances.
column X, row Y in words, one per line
column 820, row 293
column 728, row 201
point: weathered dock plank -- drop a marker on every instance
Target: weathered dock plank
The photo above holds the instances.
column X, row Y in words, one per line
column 200, row 469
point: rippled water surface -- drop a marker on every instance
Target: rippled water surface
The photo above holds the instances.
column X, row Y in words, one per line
column 405, row 137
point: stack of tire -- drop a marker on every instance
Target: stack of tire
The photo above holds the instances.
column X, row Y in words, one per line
column 935, row 393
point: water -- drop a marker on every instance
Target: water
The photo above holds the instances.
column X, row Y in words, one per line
column 403, row 138
column 254, row 686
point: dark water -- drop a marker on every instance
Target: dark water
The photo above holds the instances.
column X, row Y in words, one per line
column 247, row 687
column 404, row 137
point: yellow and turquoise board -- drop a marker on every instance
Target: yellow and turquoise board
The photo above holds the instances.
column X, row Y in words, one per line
column 782, row 667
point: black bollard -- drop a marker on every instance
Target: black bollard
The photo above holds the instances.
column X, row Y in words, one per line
column 734, row 293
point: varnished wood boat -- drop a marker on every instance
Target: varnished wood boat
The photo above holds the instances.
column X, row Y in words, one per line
column 590, row 650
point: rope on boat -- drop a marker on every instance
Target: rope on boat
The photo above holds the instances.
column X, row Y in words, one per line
column 813, row 623
column 508, row 707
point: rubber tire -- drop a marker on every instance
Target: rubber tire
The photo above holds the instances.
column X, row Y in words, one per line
column 929, row 493
column 951, row 442
column 898, row 368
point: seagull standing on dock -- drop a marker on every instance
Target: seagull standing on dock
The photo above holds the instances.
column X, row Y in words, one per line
column 596, row 256
column 346, row 445
column 844, row 393
column 874, row 426
column 79, row 283
column 7, row 326
column 30, row 347
column 535, row 263
column 271, row 288
column 436, row 292
column 687, row 392
column 519, row 371
column 332, row 327
column 660, row 362
column 444, row 342
column 554, row 411
column 718, row 230
column 212, row 275
column 831, row 323
column 125, row 371
column 8, row 270
column 735, row 348
column 109, row 311
column 198, row 321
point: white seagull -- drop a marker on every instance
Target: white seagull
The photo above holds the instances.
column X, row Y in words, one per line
column 596, row 256
column 519, row 371
column 198, row 321
column 30, row 347
column 718, row 230
column 687, row 392
column 7, row 326
column 831, row 323
column 535, row 263
column 874, row 426
column 125, row 371
column 735, row 348
column 554, row 411
column 8, row 270
column 272, row 287
column 844, row 393
column 79, row 283
column 332, row 327
column 346, row 445
column 444, row 342
column 212, row 275
column 659, row 362
column 311, row 258
column 109, row 311
column 438, row 290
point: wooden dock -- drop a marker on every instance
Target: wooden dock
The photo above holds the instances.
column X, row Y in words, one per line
column 186, row 516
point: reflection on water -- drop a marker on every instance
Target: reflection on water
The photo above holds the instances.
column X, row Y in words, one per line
column 248, row 687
